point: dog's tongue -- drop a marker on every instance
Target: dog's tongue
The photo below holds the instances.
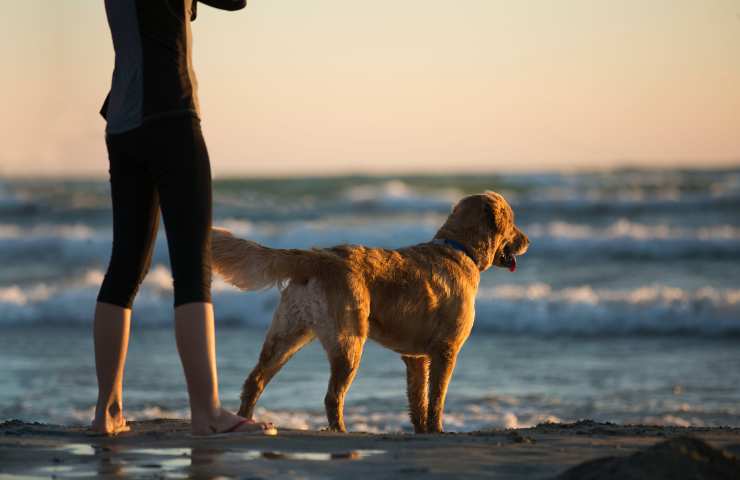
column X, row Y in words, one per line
column 512, row 265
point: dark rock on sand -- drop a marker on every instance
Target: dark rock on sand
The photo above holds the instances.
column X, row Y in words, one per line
column 20, row 428
column 680, row 458
column 517, row 437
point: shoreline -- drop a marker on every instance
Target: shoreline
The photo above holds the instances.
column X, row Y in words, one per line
column 164, row 448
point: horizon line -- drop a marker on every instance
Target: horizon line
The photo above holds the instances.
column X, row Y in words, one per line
column 276, row 175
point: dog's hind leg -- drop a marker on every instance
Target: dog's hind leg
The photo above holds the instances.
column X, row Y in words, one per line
column 440, row 373
column 285, row 337
column 417, row 388
column 344, row 356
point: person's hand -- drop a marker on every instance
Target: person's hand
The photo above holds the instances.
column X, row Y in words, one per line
column 230, row 5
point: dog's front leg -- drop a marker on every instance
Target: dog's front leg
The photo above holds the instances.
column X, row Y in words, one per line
column 417, row 388
column 442, row 365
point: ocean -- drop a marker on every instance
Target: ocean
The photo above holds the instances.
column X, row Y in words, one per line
column 626, row 307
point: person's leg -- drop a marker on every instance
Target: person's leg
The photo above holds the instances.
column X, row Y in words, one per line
column 184, row 183
column 135, row 221
column 111, row 332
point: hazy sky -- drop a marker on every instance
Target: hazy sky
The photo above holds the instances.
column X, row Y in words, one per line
column 336, row 86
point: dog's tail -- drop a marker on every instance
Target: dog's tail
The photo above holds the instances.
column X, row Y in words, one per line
column 251, row 266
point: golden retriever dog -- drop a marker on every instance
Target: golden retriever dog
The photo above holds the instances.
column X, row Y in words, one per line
column 418, row 301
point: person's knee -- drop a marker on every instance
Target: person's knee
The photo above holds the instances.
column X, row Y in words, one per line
column 118, row 293
column 193, row 285
column 120, row 285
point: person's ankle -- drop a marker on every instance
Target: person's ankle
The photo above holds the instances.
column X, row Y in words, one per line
column 205, row 417
column 110, row 409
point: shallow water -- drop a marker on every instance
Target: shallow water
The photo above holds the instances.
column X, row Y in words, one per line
column 500, row 380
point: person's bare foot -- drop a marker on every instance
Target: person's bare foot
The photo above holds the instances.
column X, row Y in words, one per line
column 227, row 422
column 109, row 422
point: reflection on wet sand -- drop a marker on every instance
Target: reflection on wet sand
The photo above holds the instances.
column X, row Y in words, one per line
column 117, row 460
column 310, row 456
column 202, row 460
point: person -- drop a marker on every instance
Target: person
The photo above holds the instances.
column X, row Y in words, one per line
column 159, row 161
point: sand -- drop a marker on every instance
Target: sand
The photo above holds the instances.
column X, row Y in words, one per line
column 165, row 449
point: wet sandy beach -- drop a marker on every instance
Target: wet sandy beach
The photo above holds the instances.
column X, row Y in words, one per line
column 165, row 449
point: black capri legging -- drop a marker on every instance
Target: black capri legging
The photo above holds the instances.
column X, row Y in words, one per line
column 163, row 164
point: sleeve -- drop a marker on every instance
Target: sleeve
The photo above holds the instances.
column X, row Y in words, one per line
column 230, row 5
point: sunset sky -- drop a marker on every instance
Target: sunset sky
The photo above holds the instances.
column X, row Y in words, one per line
column 339, row 86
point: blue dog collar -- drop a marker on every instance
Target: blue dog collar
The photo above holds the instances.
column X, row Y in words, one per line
column 456, row 245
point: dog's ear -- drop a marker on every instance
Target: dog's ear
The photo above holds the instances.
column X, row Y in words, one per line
column 498, row 213
column 490, row 220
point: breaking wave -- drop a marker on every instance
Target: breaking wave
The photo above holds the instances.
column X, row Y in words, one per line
column 535, row 308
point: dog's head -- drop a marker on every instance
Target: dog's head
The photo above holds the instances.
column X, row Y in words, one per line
column 484, row 224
